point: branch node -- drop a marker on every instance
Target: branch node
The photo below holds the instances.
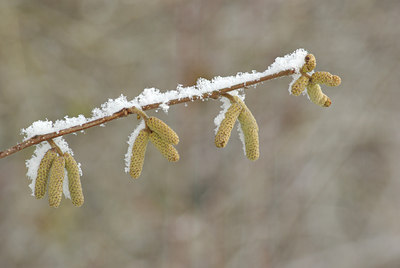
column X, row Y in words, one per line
column 55, row 146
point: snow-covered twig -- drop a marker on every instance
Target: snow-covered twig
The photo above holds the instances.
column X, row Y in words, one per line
column 152, row 99
column 126, row 111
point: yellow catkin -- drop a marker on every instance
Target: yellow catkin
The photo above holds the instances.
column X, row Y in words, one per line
column 163, row 130
column 336, row 81
column 43, row 173
column 310, row 63
column 300, row 85
column 138, row 153
column 325, row 78
column 166, row 149
column 250, row 130
column 74, row 180
column 226, row 126
column 56, row 181
column 315, row 94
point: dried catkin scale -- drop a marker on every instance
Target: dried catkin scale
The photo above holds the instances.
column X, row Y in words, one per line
column 226, row 126
column 310, row 63
column 250, row 130
column 74, row 181
column 300, row 85
column 56, row 181
column 162, row 129
column 138, row 153
column 315, row 94
column 43, row 173
column 166, row 149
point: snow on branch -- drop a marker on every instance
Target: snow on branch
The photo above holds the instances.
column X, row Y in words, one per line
column 152, row 98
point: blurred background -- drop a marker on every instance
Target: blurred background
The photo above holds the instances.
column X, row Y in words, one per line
column 325, row 191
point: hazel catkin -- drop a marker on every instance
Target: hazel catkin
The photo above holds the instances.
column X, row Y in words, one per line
column 138, row 153
column 56, row 181
column 300, row 85
column 310, row 63
column 166, row 149
column 226, row 126
column 325, row 78
column 317, row 96
column 163, row 130
column 249, row 127
column 43, row 173
column 74, row 181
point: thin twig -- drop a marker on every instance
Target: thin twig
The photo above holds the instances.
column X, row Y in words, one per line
column 133, row 110
column 55, row 147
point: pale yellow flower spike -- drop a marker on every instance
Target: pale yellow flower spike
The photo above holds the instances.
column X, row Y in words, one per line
column 162, row 129
column 310, row 64
column 226, row 126
column 166, row 149
column 74, row 181
column 56, row 181
column 138, row 153
column 250, row 130
column 300, row 85
column 312, row 83
column 315, row 94
column 43, row 173
column 325, row 78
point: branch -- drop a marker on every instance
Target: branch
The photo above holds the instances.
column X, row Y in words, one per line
column 133, row 110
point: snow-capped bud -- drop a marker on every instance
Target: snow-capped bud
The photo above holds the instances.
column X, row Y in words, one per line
column 226, row 126
column 138, row 153
column 43, row 173
column 163, row 130
column 74, row 181
column 317, row 96
column 166, row 149
column 300, row 85
column 325, row 78
column 310, row 64
column 56, row 181
column 250, row 130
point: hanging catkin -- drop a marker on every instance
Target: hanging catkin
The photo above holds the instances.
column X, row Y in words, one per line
column 74, row 181
column 317, row 96
column 163, row 130
column 310, row 63
column 56, row 181
column 226, row 126
column 300, row 85
column 325, row 78
column 166, row 149
column 43, row 173
column 138, row 153
column 250, row 130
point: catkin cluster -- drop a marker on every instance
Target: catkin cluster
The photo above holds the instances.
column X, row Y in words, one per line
column 312, row 83
column 239, row 111
column 161, row 135
column 52, row 169
column 54, row 164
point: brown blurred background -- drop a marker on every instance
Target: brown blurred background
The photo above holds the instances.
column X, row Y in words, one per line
column 324, row 193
